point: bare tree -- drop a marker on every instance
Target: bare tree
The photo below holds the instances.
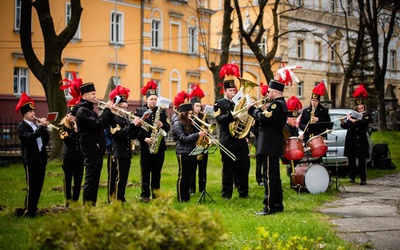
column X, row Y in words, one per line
column 49, row 71
column 213, row 65
column 379, row 18
column 254, row 35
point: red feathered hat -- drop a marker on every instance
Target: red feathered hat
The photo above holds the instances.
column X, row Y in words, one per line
column 318, row 91
column 359, row 94
column 150, row 88
column 119, row 94
column 72, row 85
column 294, row 106
column 25, row 104
column 196, row 94
column 181, row 102
column 229, row 72
column 264, row 89
column 71, row 104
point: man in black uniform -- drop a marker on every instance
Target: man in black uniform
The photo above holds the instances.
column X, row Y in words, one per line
column 270, row 145
column 151, row 163
column 231, row 169
column 122, row 132
column 90, row 127
column 315, row 113
column 34, row 138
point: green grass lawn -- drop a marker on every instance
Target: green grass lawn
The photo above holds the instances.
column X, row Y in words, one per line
column 301, row 216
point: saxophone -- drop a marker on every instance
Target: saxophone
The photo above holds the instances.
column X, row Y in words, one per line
column 157, row 133
column 241, row 127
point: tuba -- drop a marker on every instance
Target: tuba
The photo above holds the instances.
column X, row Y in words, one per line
column 241, row 127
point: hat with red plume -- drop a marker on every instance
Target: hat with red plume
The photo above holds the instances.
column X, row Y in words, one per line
column 318, row 91
column 150, row 88
column 294, row 106
column 71, row 104
column 181, row 102
column 73, row 85
column 196, row 94
column 25, row 104
column 359, row 94
column 284, row 77
column 229, row 72
column 119, row 94
column 264, row 89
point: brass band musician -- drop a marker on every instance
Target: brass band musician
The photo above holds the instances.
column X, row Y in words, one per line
column 201, row 164
column 315, row 113
column 231, row 169
column 151, row 164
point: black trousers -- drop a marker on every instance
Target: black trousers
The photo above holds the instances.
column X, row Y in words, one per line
column 150, row 166
column 238, row 170
column 273, row 197
column 111, row 177
column 186, row 165
column 200, row 165
column 73, row 170
column 34, row 174
column 93, row 166
column 362, row 168
column 259, row 169
column 123, row 166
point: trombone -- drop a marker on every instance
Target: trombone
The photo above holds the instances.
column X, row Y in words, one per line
column 211, row 127
column 50, row 127
column 120, row 112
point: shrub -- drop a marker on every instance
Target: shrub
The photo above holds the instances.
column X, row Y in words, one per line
column 156, row 225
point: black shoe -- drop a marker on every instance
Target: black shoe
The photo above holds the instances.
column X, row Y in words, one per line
column 363, row 183
column 145, row 199
column 352, row 181
column 19, row 212
column 244, row 196
column 261, row 183
column 226, row 197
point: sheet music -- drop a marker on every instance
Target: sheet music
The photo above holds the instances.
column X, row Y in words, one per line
column 239, row 95
column 163, row 102
column 209, row 110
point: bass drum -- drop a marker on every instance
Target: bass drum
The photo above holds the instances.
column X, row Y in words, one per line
column 314, row 178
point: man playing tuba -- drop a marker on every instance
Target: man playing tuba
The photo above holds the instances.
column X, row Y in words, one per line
column 231, row 170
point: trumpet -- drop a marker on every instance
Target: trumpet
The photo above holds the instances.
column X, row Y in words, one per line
column 50, row 127
column 262, row 102
column 211, row 127
column 123, row 113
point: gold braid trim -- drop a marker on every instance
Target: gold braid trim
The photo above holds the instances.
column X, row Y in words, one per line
column 114, row 130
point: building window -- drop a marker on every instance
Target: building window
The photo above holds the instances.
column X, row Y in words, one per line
column 263, row 45
column 317, row 48
column 68, row 15
column 156, row 34
column 192, row 36
column 299, row 48
column 69, row 76
column 300, row 86
column 17, row 21
column 349, row 7
column 20, row 80
column 333, row 52
column 392, row 63
column 117, row 28
column 299, row 2
column 116, row 80
column 333, row 6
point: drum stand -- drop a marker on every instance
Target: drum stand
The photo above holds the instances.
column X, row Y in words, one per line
column 337, row 181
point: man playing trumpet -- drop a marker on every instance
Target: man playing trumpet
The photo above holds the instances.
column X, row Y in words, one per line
column 34, row 138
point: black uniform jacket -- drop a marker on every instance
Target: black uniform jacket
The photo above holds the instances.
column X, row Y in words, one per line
column 320, row 111
column 272, row 122
column 91, row 126
column 30, row 150
column 144, row 134
column 223, row 116
column 356, row 143
column 185, row 142
column 72, row 148
column 123, row 132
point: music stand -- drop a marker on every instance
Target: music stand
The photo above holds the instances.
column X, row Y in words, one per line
column 337, row 180
column 202, row 198
column 319, row 127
